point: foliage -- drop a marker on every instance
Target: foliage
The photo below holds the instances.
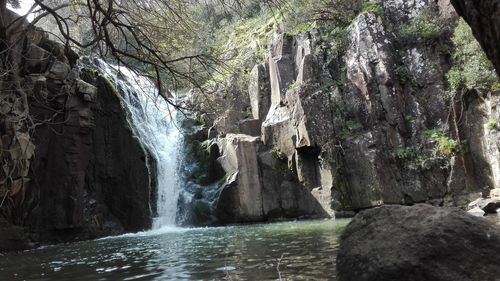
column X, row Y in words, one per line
column 445, row 145
column 294, row 86
column 404, row 75
column 491, row 124
column 471, row 68
column 426, row 27
column 277, row 154
column 404, row 153
column 200, row 120
column 242, row 39
column 374, row 7
column 281, row 161
column 349, row 129
column 239, row 40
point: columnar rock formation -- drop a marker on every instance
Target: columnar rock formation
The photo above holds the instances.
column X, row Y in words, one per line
column 74, row 170
column 362, row 125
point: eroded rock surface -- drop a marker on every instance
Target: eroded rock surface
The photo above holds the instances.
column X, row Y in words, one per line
column 77, row 170
column 364, row 125
column 418, row 243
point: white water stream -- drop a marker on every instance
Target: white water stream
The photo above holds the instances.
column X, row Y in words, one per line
column 153, row 121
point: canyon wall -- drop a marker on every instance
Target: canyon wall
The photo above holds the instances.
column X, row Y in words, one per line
column 72, row 168
column 384, row 114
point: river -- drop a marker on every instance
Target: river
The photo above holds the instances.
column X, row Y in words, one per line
column 304, row 250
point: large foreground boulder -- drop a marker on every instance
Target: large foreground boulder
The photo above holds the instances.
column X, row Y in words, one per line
column 418, row 243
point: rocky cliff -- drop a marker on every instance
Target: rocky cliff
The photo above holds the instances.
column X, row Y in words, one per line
column 397, row 106
column 72, row 168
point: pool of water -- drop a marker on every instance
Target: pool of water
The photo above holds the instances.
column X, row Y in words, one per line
column 302, row 250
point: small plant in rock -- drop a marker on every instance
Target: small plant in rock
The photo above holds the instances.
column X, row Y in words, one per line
column 491, row 124
column 374, row 7
column 281, row 164
column 445, row 145
column 471, row 68
column 424, row 28
column 277, row 154
column 404, row 76
column 349, row 129
column 295, row 85
column 199, row 121
column 404, row 153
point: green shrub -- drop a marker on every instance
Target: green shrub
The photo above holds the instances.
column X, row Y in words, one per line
column 404, row 153
column 471, row 68
column 491, row 124
column 277, row 154
column 404, row 76
column 281, row 164
column 351, row 128
column 294, row 86
column 374, row 7
column 445, row 145
column 428, row 26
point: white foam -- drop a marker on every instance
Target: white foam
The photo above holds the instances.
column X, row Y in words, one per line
column 153, row 121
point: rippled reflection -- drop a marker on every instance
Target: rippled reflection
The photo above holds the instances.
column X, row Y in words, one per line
column 304, row 250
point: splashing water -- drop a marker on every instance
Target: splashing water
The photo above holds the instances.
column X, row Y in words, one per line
column 153, row 121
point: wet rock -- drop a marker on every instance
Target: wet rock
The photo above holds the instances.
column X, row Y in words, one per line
column 488, row 206
column 13, row 238
column 476, row 211
column 73, row 180
column 418, row 243
column 86, row 89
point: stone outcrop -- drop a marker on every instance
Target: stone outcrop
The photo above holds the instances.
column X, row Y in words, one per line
column 78, row 171
column 485, row 206
column 363, row 124
column 418, row 243
column 241, row 197
column 258, row 184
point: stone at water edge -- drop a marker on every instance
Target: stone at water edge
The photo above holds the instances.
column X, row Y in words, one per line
column 421, row 242
column 476, row 211
column 487, row 206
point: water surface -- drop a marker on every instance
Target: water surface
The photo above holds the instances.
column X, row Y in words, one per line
column 305, row 250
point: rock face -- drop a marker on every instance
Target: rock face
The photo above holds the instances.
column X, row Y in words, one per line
column 258, row 185
column 84, row 174
column 367, row 123
column 483, row 18
column 241, row 197
column 418, row 243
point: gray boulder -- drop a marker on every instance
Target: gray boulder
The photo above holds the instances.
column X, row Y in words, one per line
column 418, row 243
column 487, row 205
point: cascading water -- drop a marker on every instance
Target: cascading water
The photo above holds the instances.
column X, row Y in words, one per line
column 153, row 121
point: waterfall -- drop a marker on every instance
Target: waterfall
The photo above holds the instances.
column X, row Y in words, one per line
column 153, row 121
